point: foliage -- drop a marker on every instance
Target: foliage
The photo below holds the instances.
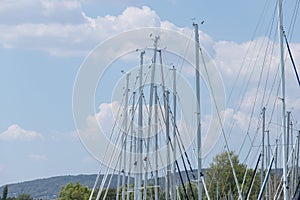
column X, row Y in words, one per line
column 188, row 191
column 219, row 177
column 151, row 192
column 4, row 193
column 20, row 197
column 111, row 194
column 80, row 192
column 74, row 192
column 49, row 188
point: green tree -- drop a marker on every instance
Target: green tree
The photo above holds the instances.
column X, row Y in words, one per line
column 188, row 191
column 80, row 192
column 74, row 192
column 219, row 177
column 111, row 193
column 4, row 193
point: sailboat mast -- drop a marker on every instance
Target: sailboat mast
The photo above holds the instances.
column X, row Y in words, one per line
column 174, row 133
column 150, row 117
column 156, row 143
column 262, row 148
column 288, row 135
column 139, row 159
column 125, row 135
column 268, row 161
column 131, row 145
column 198, row 121
column 275, row 162
column 283, row 120
column 168, row 178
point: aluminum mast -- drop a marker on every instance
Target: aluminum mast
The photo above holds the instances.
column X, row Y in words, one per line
column 283, row 120
column 198, row 121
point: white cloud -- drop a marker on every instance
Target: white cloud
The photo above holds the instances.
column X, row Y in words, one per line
column 99, row 126
column 40, row 11
column 38, row 157
column 66, row 38
column 61, row 28
column 231, row 56
column 64, row 29
column 15, row 132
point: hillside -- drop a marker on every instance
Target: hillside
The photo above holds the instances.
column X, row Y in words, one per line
column 49, row 188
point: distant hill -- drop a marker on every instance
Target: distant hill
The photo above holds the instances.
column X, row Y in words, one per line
column 48, row 188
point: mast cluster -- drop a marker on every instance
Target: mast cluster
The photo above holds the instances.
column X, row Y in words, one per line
column 154, row 164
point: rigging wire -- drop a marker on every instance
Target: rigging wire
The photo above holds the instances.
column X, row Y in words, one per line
column 178, row 135
column 264, row 93
column 293, row 19
column 101, row 166
column 272, row 87
column 271, row 55
column 121, row 153
column 248, row 49
column 257, row 87
column 221, row 124
column 256, row 96
column 181, row 153
column 110, row 139
column 291, row 57
column 176, row 162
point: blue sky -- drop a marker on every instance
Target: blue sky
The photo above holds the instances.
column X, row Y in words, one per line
column 43, row 44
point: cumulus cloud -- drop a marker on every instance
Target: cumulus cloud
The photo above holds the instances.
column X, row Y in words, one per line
column 74, row 34
column 104, row 142
column 15, row 132
column 62, row 28
column 257, row 82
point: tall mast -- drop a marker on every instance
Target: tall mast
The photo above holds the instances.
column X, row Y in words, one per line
column 268, row 161
column 262, row 147
column 125, row 135
column 131, row 144
column 168, row 179
column 156, row 143
column 288, row 135
column 150, row 117
column 121, row 157
column 174, row 134
column 275, row 162
column 283, row 120
column 288, row 167
column 138, row 182
column 198, row 121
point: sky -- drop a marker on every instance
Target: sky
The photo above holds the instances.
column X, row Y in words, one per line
column 43, row 43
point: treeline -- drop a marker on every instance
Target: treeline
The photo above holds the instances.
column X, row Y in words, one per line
column 218, row 178
column 20, row 197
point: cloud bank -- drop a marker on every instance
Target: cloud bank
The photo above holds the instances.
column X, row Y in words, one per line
column 15, row 132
